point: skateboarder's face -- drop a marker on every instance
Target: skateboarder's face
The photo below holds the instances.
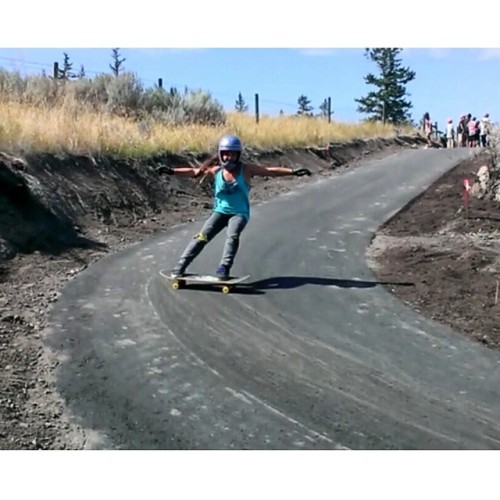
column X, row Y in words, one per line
column 229, row 156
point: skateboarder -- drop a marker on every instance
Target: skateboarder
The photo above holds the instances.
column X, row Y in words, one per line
column 231, row 207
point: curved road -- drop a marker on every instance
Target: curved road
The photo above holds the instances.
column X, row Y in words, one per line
column 315, row 354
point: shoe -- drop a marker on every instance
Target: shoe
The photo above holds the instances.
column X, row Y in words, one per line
column 222, row 272
column 178, row 271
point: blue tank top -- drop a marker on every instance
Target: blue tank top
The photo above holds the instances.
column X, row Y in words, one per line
column 232, row 197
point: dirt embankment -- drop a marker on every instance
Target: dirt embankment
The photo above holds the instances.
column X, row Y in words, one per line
column 50, row 203
column 452, row 257
column 58, row 214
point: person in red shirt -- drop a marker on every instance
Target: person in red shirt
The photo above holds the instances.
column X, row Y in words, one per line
column 473, row 127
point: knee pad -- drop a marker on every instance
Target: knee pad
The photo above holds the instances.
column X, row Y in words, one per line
column 201, row 237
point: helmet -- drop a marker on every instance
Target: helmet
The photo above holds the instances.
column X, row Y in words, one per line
column 229, row 143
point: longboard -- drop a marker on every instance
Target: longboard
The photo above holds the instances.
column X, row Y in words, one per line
column 204, row 279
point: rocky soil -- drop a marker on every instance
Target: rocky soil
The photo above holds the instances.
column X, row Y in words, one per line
column 60, row 213
column 452, row 257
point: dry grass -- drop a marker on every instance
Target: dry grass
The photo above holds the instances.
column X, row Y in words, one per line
column 72, row 128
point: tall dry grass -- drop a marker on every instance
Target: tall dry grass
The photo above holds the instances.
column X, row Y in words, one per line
column 72, row 128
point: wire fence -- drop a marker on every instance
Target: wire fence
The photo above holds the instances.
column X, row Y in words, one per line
column 255, row 104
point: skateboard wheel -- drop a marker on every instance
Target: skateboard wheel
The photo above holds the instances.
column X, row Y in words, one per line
column 225, row 289
column 176, row 285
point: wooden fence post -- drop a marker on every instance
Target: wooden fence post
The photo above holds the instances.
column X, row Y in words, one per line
column 256, row 108
column 56, row 71
column 160, row 83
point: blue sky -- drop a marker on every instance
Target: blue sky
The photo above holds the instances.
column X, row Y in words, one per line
column 448, row 81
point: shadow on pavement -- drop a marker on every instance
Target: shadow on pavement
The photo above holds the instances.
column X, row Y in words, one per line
column 289, row 282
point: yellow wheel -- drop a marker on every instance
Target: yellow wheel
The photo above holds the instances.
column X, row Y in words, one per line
column 225, row 289
column 176, row 285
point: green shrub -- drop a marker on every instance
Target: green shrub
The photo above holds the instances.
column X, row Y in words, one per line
column 156, row 100
column 90, row 93
column 121, row 95
column 124, row 94
column 42, row 90
column 199, row 107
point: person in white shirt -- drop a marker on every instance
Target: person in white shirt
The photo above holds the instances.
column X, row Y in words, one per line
column 450, row 134
column 484, row 130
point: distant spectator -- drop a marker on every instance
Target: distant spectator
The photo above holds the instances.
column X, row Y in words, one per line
column 466, row 129
column 484, row 130
column 461, row 134
column 473, row 128
column 427, row 124
column 450, row 134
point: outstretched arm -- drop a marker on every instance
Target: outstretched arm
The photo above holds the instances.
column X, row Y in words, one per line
column 207, row 167
column 277, row 171
column 184, row 171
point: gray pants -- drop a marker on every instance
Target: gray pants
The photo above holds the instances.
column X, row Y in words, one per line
column 212, row 227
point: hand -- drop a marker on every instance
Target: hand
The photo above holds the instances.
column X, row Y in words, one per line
column 165, row 169
column 299, row 172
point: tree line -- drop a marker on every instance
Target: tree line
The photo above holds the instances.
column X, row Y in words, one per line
column 388, row 102
column 65, row 71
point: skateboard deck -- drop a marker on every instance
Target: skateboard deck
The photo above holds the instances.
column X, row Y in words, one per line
column 204, row 279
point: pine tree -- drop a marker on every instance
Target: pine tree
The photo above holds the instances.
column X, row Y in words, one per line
column 66, row 72
column 116, row 67
column 388, row 103
column 305, row 107
column 240, row 105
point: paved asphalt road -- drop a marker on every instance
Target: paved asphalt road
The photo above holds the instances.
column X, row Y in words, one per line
column 315, row 354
